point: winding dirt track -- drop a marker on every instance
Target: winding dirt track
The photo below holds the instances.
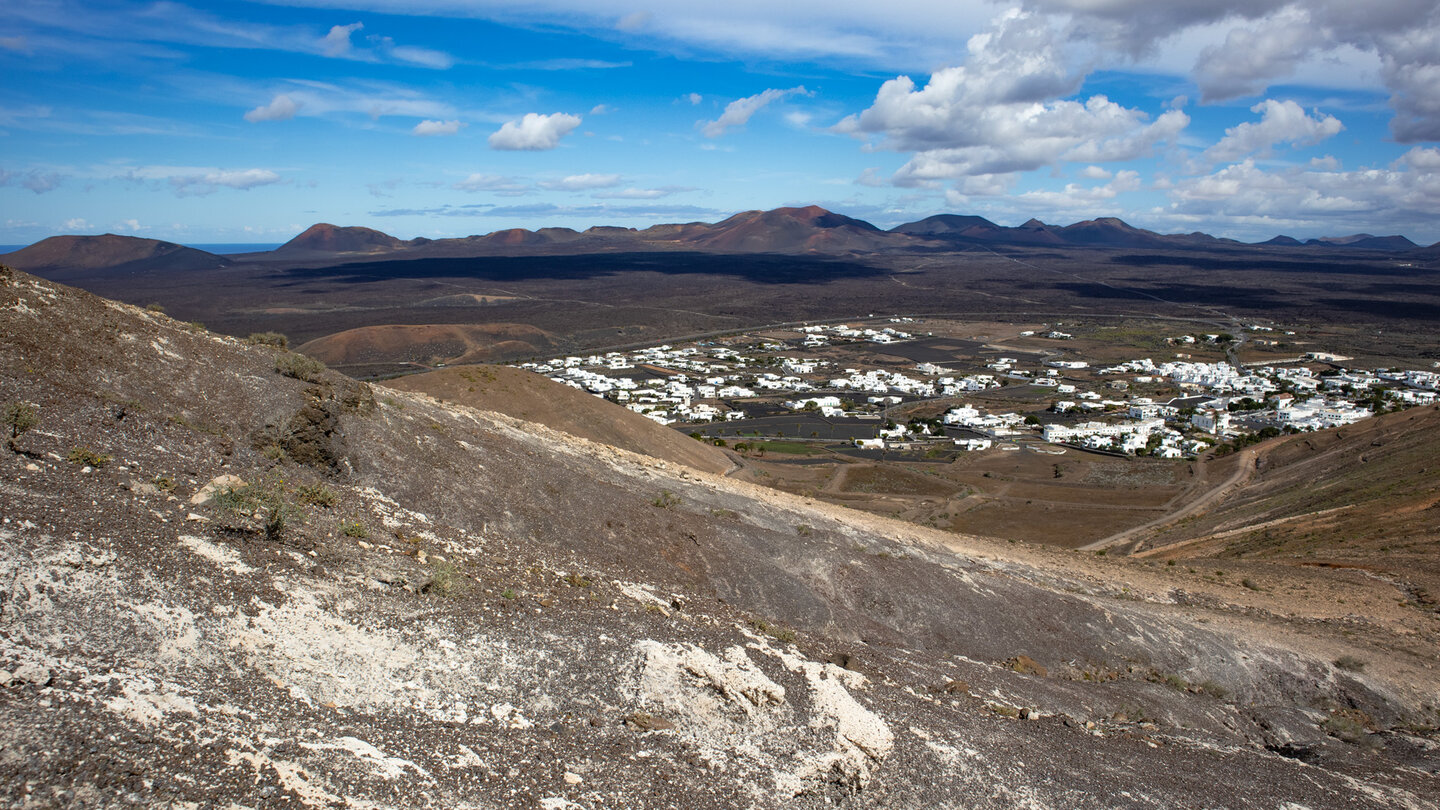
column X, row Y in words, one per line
column 1244, row 471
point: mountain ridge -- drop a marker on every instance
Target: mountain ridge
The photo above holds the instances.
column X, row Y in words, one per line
column 800, row 230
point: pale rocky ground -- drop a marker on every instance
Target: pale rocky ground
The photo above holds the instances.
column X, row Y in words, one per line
column 493, row 614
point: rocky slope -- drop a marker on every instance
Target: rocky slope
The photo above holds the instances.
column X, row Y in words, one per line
column 536, row 398
column 230, row 576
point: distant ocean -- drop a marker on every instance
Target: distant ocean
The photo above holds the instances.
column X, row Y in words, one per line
column 223, row 247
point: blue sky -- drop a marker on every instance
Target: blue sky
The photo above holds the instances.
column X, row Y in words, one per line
column 247, row 122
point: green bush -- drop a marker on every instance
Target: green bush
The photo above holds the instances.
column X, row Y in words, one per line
column 316, row 494
column 354, row 528
column 19, row 417
column 87, row 457
column 300, row 367
column 665, row 500
column 268, row 339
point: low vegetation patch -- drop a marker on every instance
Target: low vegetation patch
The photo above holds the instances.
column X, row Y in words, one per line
column 300, row 367
column 86, row 457
column 665, row 500
column 354, row 528
column 268, row 339
column 776, row 632
column 1349, row 663
column 315, row 495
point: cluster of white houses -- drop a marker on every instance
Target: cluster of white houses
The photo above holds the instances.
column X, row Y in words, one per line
column 686, row 384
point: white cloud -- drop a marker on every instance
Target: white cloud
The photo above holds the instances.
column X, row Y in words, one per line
column 1280, row 122
column 501, row 184
column 424, row 57
column 280, row 108
column 694, row 98
column 203, row 182
column 583, row 182
column 429, row 127
column 642, row 193
column 600, row 109
column 737, row 113
column 77, row 224
column 1003, row 111
column 870, row 176
column 1404, row 196
column 1095, row 173
column 337, row 42
column 534, row 132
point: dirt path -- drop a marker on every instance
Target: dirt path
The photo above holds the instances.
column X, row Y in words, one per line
column 1243, row 472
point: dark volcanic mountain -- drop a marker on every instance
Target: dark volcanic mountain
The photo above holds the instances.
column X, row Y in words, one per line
column 793, row 230
column 110, row 251
column 1365, row 241
column 946, row 225
column 327, row 238
column 1112, row 232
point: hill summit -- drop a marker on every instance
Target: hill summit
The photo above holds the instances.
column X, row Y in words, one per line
column 236, row 577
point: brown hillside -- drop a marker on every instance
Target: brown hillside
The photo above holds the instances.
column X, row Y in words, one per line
column 110, row 251
column 792, row 230
column 535, row 398
column 1367, row 494
column 327, row 238
column 429, row 344
column 229, row 579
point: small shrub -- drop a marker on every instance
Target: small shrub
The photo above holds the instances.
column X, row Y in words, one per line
column 665, row 500
column 804, row 530
column 509, row 593
column 238, row 508
column 445, row 579
column 300, row 367
column 776, row 632
column 1345, row 728
column 155, row 307
column 1251, row 585
column 195, row 326
column 1213, row 689
column 89, row 458
column 1350, row 663
column 316, row 494
column 578, row 581
column 164, row 483
column 268, row 339
column 354, row 528
column 19, row 417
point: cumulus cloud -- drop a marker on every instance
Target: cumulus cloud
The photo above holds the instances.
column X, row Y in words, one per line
column 534, row 132
column 582, row 182
column 280, row 108
column 77, row 224
column 694, row 98
column 1280, row 122
column 1402, row 196
column 1001, row 112
column 201, row 183
column 1095, row 173
column 738, row 113
column 437, row 128
column 337, row 42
